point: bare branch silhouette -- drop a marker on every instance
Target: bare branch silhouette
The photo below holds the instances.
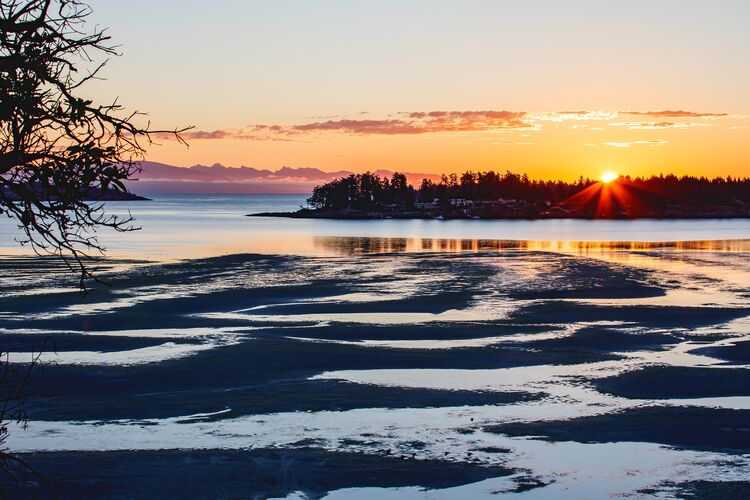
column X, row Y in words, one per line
column 57, row 149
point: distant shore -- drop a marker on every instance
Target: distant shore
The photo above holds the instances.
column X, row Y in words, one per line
column 95, row 195
column 116, row 196
column 361, row 215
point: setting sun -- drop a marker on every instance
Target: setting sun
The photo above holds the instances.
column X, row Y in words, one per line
column 608, row 177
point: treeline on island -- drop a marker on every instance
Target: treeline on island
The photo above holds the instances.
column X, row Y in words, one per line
column 509, row 195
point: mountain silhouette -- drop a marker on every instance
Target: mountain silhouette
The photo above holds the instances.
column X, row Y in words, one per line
column 161, row 178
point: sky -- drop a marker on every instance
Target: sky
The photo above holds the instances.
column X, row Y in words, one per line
column 550, row 88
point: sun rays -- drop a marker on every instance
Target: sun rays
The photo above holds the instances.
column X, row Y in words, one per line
column 610, row 197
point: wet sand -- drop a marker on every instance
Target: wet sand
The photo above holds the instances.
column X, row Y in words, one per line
column 400, row 375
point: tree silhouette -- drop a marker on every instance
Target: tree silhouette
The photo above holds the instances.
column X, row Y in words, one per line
column 57, row 149
column 511, row 195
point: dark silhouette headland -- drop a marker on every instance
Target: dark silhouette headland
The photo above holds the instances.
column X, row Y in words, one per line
column 91, row 194
column 489, row 195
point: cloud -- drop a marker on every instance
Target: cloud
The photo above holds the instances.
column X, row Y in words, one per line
column 229, row 134
column 579, row 115
column 647, row 125
column 422, row 122
column 459, row 122
column 411, row 123
column 359, row 127
column 635, row 143
column 204, row 134
column 673, row 114
column 657, row 125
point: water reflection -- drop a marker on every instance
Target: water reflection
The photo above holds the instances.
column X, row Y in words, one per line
column 341, row 245
column 191, row 227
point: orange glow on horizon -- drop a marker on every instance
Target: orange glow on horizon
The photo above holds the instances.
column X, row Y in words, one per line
column 547, row 154
column 552, row 150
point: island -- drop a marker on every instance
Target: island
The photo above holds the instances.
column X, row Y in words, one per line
column 112, row 195
column 91, row 195
column 492, row 195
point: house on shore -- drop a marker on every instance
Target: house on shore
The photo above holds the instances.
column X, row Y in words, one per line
column 427, row 205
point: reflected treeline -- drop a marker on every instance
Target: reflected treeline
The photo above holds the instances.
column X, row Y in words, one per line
column 356, row 245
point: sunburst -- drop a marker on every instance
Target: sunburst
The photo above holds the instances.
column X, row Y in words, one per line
column 609, row 176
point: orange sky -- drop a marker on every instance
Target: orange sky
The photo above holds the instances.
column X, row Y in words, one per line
column 546, row 145
column 441, row 86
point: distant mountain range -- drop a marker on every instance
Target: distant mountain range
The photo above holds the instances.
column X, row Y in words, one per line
column 160, row 178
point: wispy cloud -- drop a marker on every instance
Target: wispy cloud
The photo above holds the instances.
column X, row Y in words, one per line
column 417, row 123
column 673, row 114
column 458, row 122
column 658, row 125
column 240, row 134
column 207, row 134
column 359, row 127
column 578, row 116
column 645, row 125
column 628, row 144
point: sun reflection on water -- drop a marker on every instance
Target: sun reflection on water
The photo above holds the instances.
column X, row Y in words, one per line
column 348, row 246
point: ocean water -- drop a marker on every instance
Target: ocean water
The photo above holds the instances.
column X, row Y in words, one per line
column 194, row 226
column 386, row 359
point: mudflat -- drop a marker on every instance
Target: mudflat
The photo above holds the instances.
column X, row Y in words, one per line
column 468, row 373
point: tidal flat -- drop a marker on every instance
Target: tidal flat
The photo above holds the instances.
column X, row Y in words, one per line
column 387, row 375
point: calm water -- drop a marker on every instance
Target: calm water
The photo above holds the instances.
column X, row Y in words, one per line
column 187, row 226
